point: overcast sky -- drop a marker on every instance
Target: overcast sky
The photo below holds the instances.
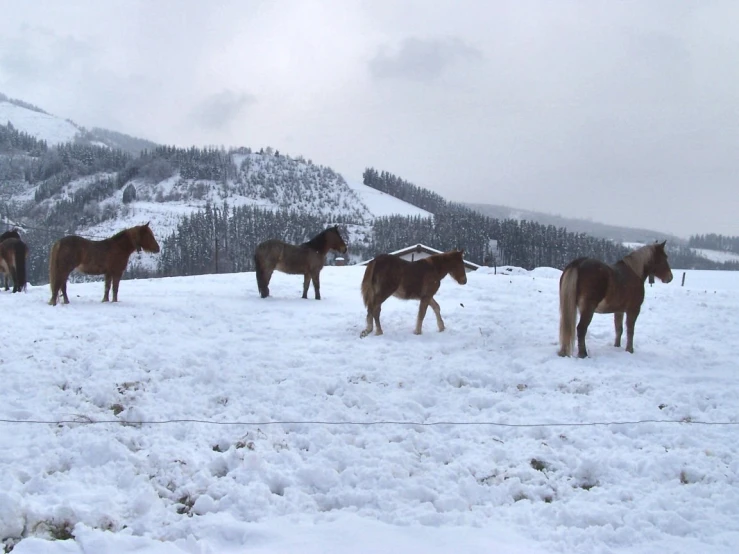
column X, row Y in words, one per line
column 622, row 112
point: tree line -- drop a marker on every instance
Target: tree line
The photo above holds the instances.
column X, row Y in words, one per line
column 712, row 241
column 523, row 243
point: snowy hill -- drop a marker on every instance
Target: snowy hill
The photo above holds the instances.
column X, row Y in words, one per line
column 196, row 417
column 42, row 126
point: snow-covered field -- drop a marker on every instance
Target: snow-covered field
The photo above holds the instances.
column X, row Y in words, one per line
column 272, row 427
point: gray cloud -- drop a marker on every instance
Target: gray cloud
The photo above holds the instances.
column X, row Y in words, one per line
column 421, row 59
column 620, row 112
column 220, row 110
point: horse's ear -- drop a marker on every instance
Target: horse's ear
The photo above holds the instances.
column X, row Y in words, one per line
column 147, row 223
column 662, row 244
column 461, row 251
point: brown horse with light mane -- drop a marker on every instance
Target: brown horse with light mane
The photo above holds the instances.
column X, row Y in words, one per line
column 306, row 259
column 13, row 254
column 595, row 287
column 107, row 257
column 388, row 275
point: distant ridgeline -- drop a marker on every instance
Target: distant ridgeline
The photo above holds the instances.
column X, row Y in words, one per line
column 52, row 191
column 525, row 244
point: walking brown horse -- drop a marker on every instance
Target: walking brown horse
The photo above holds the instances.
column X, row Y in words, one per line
column 595, row 287
column 388, row 275
column 13, row 254
column 306, row 259
column 107, row 257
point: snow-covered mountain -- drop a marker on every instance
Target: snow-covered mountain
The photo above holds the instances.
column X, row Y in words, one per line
column 164, row 195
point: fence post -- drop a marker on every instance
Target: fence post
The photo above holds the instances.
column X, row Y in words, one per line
column 683, row 283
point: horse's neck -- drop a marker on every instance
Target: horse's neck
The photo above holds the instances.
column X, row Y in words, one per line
column 638, row 262
column 439, row 265
column 124, row 241
column 318, row 244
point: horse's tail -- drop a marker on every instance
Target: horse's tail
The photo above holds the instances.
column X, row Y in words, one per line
column 567, row 310
column 368, row 288
column 261, row 277
column 53, row 255
column 21, row 251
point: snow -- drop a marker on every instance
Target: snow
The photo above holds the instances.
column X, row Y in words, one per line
column 381, row 204
column 207, row 348
column 52, row 129
column 717, row 255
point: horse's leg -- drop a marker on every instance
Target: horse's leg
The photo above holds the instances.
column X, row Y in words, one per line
column 64, row 289
column 437, row 312
column 586, row 317
column 306, row 284
column 5, row 275
column 14, row 274
column 376, row 316
column 367, row 330
column 116, row 282
column 421, row 314
column 618, row 320
column 630, row 323
column 106, row 298
column 317, row 284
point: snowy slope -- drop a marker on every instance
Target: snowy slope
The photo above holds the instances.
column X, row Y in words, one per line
column 381, row 204
column 52, row 129
column 716, row 255
column 517, row 468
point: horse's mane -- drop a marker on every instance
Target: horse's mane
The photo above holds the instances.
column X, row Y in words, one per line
column 640, row 258
column 318, row 243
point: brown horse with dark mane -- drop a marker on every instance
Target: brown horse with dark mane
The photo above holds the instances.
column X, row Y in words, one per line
column 107, row 257
column 13, row 254
column 595, row 287
column 387, row 275
column 306, row 259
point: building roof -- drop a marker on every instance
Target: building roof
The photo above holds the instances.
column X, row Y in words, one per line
column 421, row 248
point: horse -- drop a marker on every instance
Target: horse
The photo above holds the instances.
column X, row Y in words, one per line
column 13, row 254
column 10, row 234
column 306, row 259
column 593, row 286
column 387, row 275
column 107, row 257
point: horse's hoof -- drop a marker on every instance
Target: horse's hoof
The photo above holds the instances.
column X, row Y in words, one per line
column 582, row 355
column 364, row 334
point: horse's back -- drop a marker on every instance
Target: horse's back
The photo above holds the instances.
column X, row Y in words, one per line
column 611, row 288
column 72, row 251
column 288, row 258
column 401, row 278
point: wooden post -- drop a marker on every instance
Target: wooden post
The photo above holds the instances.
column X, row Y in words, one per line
column 683, row 283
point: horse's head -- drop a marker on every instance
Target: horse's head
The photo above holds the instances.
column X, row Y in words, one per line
column 456, row 266
column 658, row 264
column 144, row 239
column 334, row 240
